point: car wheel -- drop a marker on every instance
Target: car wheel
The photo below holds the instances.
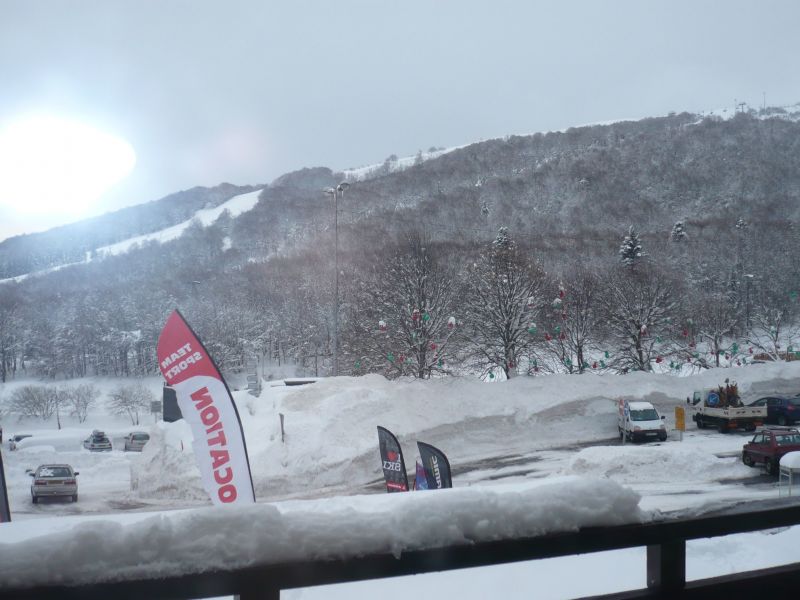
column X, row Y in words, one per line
column 782, row 421
column 747, row 459
column 771, row 466
column 34, row 499
column 75, row 497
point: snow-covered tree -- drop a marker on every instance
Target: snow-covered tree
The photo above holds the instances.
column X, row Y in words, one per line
column 403, row 320
column 577, row 316
column 638, row 308
column 630, row 252
column 131, row 400
column 678, row 232
column 505, row 296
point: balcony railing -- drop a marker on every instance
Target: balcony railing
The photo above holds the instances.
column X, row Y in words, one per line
column 665, row 541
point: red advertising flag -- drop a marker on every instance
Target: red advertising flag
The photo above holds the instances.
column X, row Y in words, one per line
column 207, row 405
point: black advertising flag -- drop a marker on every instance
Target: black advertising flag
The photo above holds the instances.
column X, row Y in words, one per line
column 5, row 510
column 437, row 467
column 394, row 467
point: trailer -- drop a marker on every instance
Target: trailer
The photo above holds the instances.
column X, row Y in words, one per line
column 722, row 409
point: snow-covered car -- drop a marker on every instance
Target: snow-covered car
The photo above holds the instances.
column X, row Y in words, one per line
column 54, row 481
column 12, row 441
column 97, row 442
column 136, row 440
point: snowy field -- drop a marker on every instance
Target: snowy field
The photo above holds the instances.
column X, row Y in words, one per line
column 505, row 440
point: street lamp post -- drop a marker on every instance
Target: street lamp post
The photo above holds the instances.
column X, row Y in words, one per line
column 336, row 193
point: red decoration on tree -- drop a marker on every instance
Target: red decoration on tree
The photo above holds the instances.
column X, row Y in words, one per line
column 561, row 293
column 511, row 364
column 433, row 345
column 563, row 316
column 402, row 358
column 685, row 333
column 594, row 365
column 751, row 350
column 415, row 315
column 562, row 337
column 659, row 359
column 548, row 337
column 738, row 363
column 691, row 344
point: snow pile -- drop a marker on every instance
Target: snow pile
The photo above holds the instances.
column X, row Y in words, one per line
column 655, row 464
column 164, row 470
column 330, row 445
column 218, row 538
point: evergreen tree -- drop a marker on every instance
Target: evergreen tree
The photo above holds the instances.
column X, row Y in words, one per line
column 631, row 249
column 678, row 232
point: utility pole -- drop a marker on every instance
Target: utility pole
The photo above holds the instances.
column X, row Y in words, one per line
column 336, row 192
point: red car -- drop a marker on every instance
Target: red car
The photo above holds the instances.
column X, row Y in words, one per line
column 768, row 445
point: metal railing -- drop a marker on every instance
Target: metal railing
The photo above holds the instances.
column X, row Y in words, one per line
column 665, row 541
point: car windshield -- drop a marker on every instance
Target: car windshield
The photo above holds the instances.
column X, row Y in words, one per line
column 141, row 437
column 646, row 414
column 47, row 472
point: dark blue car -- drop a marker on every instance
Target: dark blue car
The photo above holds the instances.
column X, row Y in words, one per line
column 780, row 410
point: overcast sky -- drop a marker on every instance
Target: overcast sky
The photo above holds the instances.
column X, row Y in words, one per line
column 242, row 91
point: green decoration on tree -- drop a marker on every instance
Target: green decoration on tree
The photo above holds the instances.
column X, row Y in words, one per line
column 585, row 365
column 658, row 339
column 358, row 364
column 557, row 329
column 671, row 364
column 606, row 354
column 491, row 374
column 426, row 317
column 568, row 362
column 441, row 362
column 793, row 296
column 735, row 348
column 390, row 357
column 695, row 355
column 532, row 329
column 603, row 364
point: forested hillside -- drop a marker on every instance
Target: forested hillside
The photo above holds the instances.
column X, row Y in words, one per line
column 70, row 243
column 506, row 257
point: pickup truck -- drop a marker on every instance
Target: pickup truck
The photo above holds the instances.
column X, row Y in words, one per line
column 722, row 409
column 768, row 446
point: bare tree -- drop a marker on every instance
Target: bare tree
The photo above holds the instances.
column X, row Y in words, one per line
column 80, row 399
column 404, row 320
column 38, row 401
column 504, row 298
column 130, row 400
column 575, row 320
column 638, row 309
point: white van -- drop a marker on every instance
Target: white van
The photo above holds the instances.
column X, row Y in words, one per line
column 640, row 422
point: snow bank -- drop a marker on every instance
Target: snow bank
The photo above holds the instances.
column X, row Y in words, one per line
column 655, row 464
column 219, row 538
column 331, row 439
column 167, row 470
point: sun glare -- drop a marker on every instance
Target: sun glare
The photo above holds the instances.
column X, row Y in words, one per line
column 54, row 165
